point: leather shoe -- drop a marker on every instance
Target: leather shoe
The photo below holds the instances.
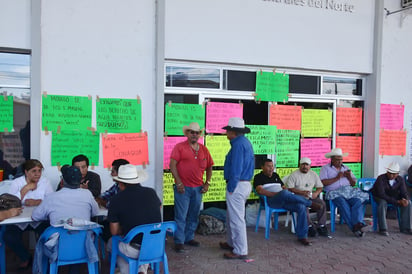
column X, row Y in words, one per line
column 384, row 233
column 192, row 243
column 305, row 242
column 312, row 232
column 179, row 248
column 226, row 246
column 231, row 255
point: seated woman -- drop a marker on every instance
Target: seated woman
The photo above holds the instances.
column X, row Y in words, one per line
column 31, row 190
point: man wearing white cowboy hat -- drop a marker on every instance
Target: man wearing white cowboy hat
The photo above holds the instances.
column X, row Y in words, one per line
column 188, row 162
column 134, row 205
column 338, row 181
column 390, row 188
column 238, row 171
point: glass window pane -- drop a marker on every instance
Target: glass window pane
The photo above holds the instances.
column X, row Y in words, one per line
column 342, row 86
column 192, row 77
column 240, row 80
column 15, row 81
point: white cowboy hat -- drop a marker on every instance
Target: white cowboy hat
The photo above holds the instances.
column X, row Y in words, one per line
column 236, row 124
column 393, row 168
column 193, row 126
column 130, row 175
column 336, row 152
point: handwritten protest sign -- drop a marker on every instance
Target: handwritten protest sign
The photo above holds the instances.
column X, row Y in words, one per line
column 392, row 142
column 66, row 112
column 263, row 138
column 285, row 171
column 218, row 147
column 179, row 115
column 356, row 169
column 67, row 144
column 272, row 86
column 316, row 169
column 315, row 149
column 130, row 146
column 218, row 114
column 118, row 115
column 348, row 120
column 285, row 117
column 391, row 116
column 168, row 145
column 316, row 123
column 216, row 192
column 12, row 149
column 6, row 113
column 252, row 195
column 351, row 145
column 287, row 148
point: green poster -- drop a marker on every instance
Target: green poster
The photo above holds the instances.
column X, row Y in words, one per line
column 263, row 138
column 179, row 115
column 287, row 148
column 68, row 144
column 6, row 113
column 118, row 115
column 316, row 169
column 272, row 87
column 356, row 169
column 66, row 112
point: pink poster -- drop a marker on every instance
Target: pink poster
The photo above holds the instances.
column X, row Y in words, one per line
column 218, row 114
column 168, row 145
column 392, row 116
column 315, row 149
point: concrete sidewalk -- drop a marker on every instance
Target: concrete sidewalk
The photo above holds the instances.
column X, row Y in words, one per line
column 282, row 253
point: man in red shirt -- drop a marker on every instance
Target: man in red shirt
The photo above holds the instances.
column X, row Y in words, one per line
column 188, row 162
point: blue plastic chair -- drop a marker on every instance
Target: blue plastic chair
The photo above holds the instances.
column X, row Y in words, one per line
column 268, row 213
column 152, row 249
column 71, row 248
column 2, row 251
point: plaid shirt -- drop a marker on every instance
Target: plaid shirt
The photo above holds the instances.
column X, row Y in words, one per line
column 108, row 194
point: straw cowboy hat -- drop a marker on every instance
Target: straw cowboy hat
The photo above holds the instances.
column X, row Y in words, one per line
column 393, row 168
column 336, row 152
column 130, row 175
column 193, row 126
column 236, row 124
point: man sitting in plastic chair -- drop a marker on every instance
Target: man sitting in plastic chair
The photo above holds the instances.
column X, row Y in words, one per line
column 390, row 188
column 134, row 205
column 282, row 198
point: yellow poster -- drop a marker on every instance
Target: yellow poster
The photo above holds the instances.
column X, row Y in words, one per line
column 218, row 147
column 316, row 123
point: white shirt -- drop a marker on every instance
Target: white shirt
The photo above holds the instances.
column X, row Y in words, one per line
column 43, row 188
column 66, row 203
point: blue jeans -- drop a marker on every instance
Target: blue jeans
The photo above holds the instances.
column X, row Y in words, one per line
column 187, row 208
column 295, row 203
column 351, row 210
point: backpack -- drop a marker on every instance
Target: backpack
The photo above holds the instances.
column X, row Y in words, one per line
column 210, row 225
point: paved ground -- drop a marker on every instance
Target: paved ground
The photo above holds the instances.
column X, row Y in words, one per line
column 344, row 253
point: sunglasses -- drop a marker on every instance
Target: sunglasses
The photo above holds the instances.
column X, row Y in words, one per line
column 194, row 132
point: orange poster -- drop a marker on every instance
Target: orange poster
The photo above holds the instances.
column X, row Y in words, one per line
column 285, row 117
column 392, row 142
column 130, row 146
column 348, row 120
column 351, row 145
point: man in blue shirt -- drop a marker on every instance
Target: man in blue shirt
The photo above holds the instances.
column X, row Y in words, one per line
column 238, row 171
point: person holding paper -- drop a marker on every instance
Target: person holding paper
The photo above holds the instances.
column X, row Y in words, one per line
column 283, row 198
column 188, row 162
column 338, row 181
column 238, row 171
column 391, row 188
column 306, row 183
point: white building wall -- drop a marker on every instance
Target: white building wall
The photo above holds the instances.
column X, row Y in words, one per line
column 15, row 24
column 305, row 34
column 396, row 80
column 99, row 48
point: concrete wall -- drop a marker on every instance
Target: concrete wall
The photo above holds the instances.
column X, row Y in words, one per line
column 15, row 24
column 284, row 33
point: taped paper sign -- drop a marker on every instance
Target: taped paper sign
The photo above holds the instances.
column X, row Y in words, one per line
column 218, row 114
